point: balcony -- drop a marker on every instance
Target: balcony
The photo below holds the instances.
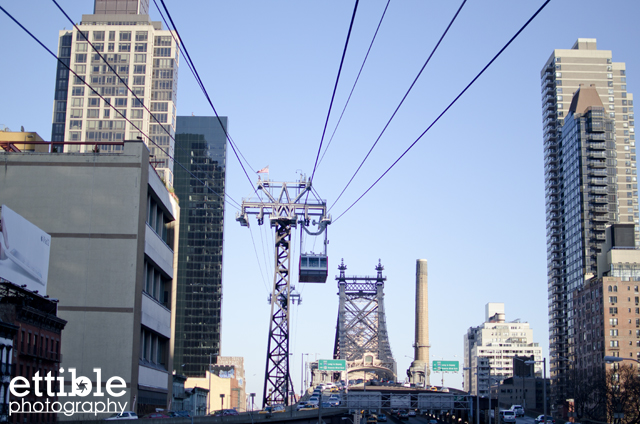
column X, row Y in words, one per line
column 597, row 172
column 598, row 181
column 596, row 154
column 596, row 164
column 596, row 146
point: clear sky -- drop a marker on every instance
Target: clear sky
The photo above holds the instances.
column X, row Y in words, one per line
column 469, row 197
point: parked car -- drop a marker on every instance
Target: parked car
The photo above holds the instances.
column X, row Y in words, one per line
column 125, row 415
column 540, row 419
column 518, row 409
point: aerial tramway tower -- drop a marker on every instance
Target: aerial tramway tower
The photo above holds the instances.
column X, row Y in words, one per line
column 286, row 204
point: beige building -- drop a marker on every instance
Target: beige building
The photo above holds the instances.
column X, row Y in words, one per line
column 21, row 141
column 491, row 347
column 114, row 232
column 226, row 384
column 137, row 51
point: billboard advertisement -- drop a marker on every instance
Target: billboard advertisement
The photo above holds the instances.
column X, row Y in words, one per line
column 24, row 252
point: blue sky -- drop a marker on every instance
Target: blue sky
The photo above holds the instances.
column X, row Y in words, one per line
column 469, row 197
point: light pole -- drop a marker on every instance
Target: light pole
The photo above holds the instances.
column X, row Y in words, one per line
column 302, row 374
column 477, row 388
column 544, row 384
column 253, row 395
column 222, row 403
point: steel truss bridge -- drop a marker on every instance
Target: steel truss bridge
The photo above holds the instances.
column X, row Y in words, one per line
column 361, row 334
column 424, row 402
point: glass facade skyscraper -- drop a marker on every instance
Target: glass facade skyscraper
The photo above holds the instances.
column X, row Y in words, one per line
column 201, row 149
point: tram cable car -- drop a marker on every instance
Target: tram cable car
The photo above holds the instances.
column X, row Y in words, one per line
column 314, row 267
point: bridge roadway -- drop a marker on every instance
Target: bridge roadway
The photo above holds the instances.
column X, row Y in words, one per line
column 378, row 398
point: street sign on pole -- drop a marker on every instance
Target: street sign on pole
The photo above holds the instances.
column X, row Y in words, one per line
column 445, row 366
column 332, row 364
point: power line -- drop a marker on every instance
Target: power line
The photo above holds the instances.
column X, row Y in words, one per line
column 197, row 75
column 355, row 82
column 344, row 52
column 449, row 106
column 401, row 102
column 107, row 102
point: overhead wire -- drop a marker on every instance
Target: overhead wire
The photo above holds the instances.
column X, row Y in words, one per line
column 335, row 87
column 355, row 82
column 197, row 78
column 401, row 102
column 82, row 79
column 264, row 281
column 197, row 75
column 448, row 107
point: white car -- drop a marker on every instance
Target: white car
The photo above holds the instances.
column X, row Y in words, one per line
column 314, row 400
column 126, row 415
column 507, row 416
column 518, row 409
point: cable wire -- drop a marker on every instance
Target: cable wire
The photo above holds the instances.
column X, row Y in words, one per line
column 448, row 107
column 335, row 87
column 264, row 281
column 107, row 102
column 197, row 75
column 401, row 102
column 355, row 83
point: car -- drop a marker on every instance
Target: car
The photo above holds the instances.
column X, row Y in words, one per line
column 540, row 418
column 226, row 412
column 314, row 400
column 373, row 418
column 403, row 414
column 124, row 415
column 174, row 414
column 394, row 410
column 301, row 404
column 308, row 407
column 326, row 405
column 518, row 409
column 156, row 415
column 382, row 418
column 507, row 416
column 274, row 409
column 444, row 390
column 411, row 413
column 433, row 421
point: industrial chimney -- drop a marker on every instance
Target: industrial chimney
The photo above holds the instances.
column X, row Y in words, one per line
column 419, row 370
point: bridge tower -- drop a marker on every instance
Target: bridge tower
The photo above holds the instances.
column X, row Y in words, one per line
column 361, row 334
column 286, row 204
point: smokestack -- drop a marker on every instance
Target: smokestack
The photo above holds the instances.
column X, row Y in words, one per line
column 418, row 372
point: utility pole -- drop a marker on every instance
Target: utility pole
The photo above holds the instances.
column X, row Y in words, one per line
column 286, row 204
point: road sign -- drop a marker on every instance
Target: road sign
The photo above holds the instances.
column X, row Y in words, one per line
column 332, row 364
column 445, row 366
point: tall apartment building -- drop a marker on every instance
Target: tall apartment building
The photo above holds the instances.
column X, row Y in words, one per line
column 114, row 231
column 491, row 347
column 201, row 148
column 590, row 180
column 146, row 58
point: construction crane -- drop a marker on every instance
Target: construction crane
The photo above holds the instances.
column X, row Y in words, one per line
column 286, row 204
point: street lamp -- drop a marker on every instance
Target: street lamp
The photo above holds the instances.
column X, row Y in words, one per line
column 302, row 374
column 477, row 388
column 222, row 402
column 611, row 359
column 544, row 384
column 253, row 395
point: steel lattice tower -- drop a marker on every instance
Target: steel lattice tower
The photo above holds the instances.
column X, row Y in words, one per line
column 362, row 326
column 285, row 204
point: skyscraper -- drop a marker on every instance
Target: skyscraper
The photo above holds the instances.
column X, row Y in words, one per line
column 144, row 55
column 590, row 180
column 201, row 148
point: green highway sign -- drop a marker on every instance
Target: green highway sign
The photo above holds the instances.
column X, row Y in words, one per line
column 332, row 364
column 445, row 366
